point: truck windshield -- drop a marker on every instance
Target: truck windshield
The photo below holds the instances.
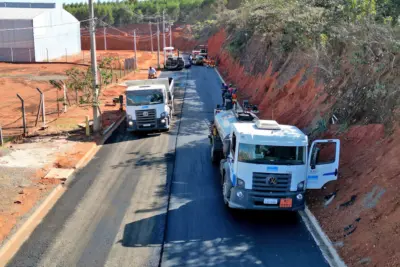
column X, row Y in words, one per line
column 144, row 97
column 276, row 155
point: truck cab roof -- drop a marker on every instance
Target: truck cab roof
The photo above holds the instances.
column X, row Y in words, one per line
column 144, row 87
column 272, row 134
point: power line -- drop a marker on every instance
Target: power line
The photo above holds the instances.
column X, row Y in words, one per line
column 29, row 28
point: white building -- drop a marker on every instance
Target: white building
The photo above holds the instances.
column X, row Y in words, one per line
column 35, row 32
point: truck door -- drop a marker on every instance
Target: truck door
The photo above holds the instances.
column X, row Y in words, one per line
column 323, row 163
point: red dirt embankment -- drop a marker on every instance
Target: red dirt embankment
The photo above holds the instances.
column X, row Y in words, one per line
column 364, row 217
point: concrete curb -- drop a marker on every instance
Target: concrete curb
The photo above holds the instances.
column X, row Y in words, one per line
column 322, row 240
column 8, row 250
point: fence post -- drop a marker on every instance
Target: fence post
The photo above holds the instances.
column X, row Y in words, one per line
column 66, row 55
column 47, row 53
column 58, row 105
column 1, row 137
column 42, row 107
column 83, row 56
column 87, row 126
column 30, row 56
column 65, row 95
column 23, row 113
column 12, row 55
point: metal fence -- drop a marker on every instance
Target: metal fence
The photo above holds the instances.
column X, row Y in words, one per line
column 22, row 116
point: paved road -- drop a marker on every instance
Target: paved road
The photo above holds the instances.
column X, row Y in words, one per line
column 114, row 214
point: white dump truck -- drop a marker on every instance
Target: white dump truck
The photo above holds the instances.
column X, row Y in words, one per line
column 268, row 166
column 149, row 104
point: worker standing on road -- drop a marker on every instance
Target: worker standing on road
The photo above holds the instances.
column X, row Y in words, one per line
column 224, row 89
column 228, row 100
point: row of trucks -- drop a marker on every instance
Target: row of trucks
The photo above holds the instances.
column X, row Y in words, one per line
column 268, row 166
column 149, row 104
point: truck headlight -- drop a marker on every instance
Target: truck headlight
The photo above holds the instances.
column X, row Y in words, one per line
column 300, row 186
column 240, row 183
column 130, row 123
column 163, row 114
column 299, row 197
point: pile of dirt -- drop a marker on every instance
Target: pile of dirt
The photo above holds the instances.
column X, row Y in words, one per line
column 360, row 212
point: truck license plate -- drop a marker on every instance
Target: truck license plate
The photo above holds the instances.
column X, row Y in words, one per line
column 270, row 201
column 147, row 125
column 286, row 203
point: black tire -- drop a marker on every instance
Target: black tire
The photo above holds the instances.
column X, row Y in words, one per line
column 215, row 155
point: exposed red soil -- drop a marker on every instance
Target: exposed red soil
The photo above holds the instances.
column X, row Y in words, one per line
column 27, row 197
column 369, row 163
column 17, row 79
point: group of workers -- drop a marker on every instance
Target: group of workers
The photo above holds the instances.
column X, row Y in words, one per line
column 229, row 96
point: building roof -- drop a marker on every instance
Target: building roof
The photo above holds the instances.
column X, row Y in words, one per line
column 287, row 135
column 20, row 13
column 16, row 4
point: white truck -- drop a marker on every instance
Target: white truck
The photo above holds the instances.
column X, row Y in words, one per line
column 267, row 166
column 149, row 104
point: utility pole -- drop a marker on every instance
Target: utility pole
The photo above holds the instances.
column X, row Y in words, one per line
column 93, row 59
column 105, row 39
column 170, row 35
column 151, row 37
column 158, row 43
column 134, row 40
column 163, row 29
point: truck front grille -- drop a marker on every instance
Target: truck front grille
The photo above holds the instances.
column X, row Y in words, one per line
column 267, row 184
column 146, row 119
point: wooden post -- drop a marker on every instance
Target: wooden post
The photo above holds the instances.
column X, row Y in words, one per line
column 38, row 112
column 23, row 114
column 65, row 96
column 1, row 137
column 58, row 105
column 42, row 108
column 120, row 68
column 87, row 126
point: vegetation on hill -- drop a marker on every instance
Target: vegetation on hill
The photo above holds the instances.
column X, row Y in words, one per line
column 354, row 45
column 127, row 12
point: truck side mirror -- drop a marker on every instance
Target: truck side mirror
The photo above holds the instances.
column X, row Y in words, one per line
column 314, row 158
column 226, row 146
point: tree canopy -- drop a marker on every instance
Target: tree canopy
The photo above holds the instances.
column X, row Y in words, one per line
column 137, row 11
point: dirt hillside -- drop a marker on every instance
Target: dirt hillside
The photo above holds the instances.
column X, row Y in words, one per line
column 363, row 216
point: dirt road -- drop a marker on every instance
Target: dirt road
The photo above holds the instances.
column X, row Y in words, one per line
column 115, row 212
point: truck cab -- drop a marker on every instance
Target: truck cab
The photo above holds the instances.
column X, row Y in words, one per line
column 268, row 166
column 149, row 105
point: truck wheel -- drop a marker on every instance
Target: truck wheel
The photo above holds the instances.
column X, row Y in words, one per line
column 214, row 154
column 226, row 190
